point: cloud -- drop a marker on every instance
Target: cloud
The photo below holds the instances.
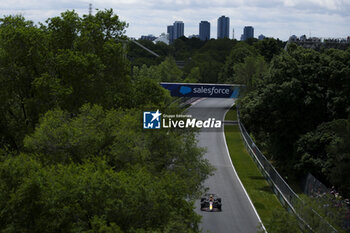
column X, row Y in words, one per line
column 276, row 18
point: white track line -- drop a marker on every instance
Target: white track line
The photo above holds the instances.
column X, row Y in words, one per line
column 228, row 154
column 197, row 101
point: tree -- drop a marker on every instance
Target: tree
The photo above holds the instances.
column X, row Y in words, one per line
column 74, row 156
column 118, row 136
column 208, row 67
column 148, row 92
column 183, row 48
column 139, row 56
column 298, row 94
column 167, row 71
column 66, row 63
column 237, row 55
column 269, row 47
column 23, row 58
column 193, row 76
column 63, row 31
column 324, row 152
column 250, row 72
column 90, row 196
column 94, row 51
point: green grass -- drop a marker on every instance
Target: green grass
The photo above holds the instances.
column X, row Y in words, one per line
column 254, row 182
column 231, row 115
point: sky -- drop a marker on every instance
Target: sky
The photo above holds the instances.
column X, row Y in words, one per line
column 272, row 18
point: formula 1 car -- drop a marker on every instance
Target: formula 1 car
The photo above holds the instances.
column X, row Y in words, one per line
column 210, row 203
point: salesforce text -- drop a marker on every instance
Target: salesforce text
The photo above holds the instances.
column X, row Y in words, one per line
column 212, row 90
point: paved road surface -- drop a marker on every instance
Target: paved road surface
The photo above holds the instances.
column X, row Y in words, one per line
column 237, row 213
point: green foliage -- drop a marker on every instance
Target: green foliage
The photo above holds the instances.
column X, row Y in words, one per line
column 138, row 56
column 282, row 221
column 167, row 71
column 239, row 52
column 215, row 59
column 119, row 138
column 63, row 30
column 300, row 91
column 208, row 67
column 62, row 139
column 250, row 72
column 89, row 197
column 149, row 92
column 193, row 76
column 23, row 50
column 87, row 51
column 73, row 154
column 269, row 48
column 182, row 48
column 325, row 153
column 66, row 63
column 100, row 171
column 208, row 58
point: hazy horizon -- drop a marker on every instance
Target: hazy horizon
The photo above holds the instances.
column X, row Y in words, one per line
column 274, row 18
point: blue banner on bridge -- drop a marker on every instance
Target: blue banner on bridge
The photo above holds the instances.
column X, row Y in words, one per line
column 202, row 90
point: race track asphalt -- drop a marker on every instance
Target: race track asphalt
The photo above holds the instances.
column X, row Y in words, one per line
column 237, row 213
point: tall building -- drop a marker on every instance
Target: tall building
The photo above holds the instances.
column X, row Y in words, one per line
column 170, row 31
column 204, row 30
column 248, row 32
column 261, row 37
column 223, row 27
column 178, row 28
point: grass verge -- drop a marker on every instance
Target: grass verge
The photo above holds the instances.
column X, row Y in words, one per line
column 254, row 182
column 231, row 115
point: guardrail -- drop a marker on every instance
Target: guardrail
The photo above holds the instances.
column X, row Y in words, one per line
column 309, row 220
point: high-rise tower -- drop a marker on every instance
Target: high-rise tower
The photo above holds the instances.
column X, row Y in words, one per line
column 204, row 30
column 170, row 31
column 248, row 32
column 178, row 29
column 223, row 27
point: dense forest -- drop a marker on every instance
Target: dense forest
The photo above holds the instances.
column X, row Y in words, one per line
column 74, row 156
column 299, row 114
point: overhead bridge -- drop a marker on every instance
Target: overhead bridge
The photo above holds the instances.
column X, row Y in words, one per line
column 204, row 90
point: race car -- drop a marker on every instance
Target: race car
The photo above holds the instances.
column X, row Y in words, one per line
column 210, row 202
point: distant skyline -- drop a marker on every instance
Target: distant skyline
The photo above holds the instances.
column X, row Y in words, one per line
column 274, row 18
